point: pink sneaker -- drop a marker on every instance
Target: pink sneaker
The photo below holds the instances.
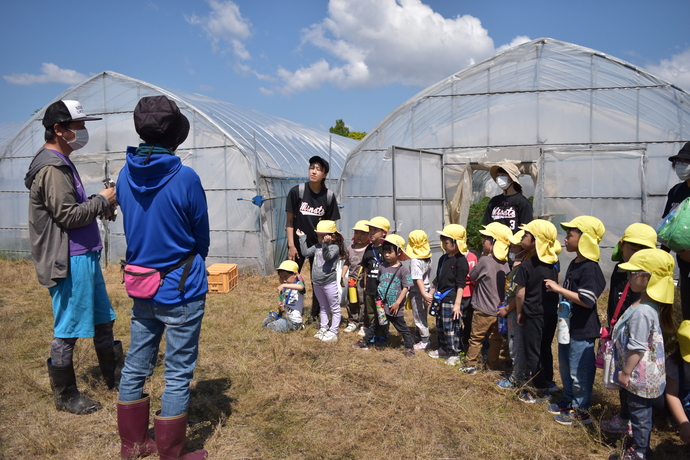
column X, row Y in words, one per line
column 617, row 425
column 420, row 346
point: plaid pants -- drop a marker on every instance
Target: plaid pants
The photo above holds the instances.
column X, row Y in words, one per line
column 448, row 330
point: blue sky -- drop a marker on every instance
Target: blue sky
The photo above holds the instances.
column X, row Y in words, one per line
column 312, row 61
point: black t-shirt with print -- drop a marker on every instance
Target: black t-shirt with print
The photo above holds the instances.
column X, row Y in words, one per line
column 310, row 211
column 587, row 279
column 451, row 273
column 372, row 258
column 513, row 210
column 531, row 275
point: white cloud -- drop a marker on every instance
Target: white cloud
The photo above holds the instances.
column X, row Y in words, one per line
column 378, row 42
column 225, row 25
column 676, row 70
column 51, row 73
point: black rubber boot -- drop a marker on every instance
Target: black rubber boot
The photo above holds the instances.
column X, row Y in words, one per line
column 65, row 393
column 111, row 361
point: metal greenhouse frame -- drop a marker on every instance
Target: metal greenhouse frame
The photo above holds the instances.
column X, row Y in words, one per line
column 591, row 134
column 247, row 162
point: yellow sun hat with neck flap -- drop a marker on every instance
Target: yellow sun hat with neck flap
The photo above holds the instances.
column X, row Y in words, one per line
column 546, row 239
column 501, row 234
column 684, row 340
column 399, row 242
column 455, row 232
column 660, row 264
column 418, row 246
column 637, row 233
column 592, row 232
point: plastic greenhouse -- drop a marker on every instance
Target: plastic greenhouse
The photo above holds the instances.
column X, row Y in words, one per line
column 591, row 133
column 247, row 162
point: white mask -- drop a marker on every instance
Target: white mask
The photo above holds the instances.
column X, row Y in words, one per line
column 82, row 137
column 682, row 171
column 503, row 182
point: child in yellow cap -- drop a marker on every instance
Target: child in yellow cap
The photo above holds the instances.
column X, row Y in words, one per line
column 489, row 277
column 419, row 250
column 536, row 307
column 447, row 288
column 394, row 284
column 355, row 252
column 636, row 237
column 326, row 253
column 288, row 316
column 583, row 284
column 639, row 344
column 508, row 309
column 372, row 258
column 678, row 382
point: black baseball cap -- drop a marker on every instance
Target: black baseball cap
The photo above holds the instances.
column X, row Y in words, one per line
column 683, row 153
column 65, row 111
column 324, row 164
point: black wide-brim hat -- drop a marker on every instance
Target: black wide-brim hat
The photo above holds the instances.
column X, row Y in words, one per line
column 683, row 153
column 158, row 120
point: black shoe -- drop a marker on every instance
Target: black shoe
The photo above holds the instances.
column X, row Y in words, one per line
column 65, row 393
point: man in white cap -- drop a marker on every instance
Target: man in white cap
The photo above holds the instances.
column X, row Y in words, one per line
column 65, row 248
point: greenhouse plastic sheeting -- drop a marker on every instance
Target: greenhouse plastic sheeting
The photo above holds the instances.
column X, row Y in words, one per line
column 238, row 153
column 593, row 133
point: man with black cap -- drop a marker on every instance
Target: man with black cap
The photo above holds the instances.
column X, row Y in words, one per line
column 305, row 206
column 678, row 193
column 165, row 219
column 65, row 248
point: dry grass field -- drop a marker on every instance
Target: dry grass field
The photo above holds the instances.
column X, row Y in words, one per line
column 265, row 395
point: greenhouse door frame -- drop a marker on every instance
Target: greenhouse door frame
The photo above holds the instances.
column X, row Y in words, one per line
column 418, row 190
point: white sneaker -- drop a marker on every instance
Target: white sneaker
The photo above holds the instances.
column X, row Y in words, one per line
column 329, row 336
column 421, row 345
column 453, row 360
column 362, row 331
column 352, row 327
column 320, row 334
column 438, row 354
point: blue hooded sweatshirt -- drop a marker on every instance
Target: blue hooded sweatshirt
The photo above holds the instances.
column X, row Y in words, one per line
column 165, row 216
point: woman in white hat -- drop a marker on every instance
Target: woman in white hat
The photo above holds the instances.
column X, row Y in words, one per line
column 510, row 208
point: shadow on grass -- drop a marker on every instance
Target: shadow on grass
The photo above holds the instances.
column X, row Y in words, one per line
column 209, row 409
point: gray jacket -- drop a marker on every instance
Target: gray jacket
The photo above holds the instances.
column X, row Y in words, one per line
column 53, row 210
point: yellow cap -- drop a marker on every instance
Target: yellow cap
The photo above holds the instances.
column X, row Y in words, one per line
column 456, row 232
column 637, row 233
column 399, row 242
column 546, row 240
column 380, row 222
column 326, row 226
column 362, row 226
column 516, row 239
column 592, row 232
column 289, row 266
column 501, row 233
column 660, row 264
column 418, row 246
column 684, row 340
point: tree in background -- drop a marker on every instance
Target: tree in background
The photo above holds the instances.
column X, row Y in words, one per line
column 341, row 130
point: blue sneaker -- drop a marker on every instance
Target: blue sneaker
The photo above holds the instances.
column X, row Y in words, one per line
column 506, row 384
column 558, row 408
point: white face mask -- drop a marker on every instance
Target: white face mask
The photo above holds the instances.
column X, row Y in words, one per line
column 81, row 139
column 503, row 182
column 682, row 171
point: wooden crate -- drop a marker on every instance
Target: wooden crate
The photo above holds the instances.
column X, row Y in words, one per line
column 222, row 278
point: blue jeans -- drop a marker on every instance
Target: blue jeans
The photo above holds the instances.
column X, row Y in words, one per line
column 182, row 325
column 641, row 421
column 576, row 364
column 281, row 324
